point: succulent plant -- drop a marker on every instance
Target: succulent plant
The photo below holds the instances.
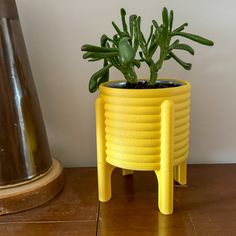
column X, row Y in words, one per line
column 128, row 48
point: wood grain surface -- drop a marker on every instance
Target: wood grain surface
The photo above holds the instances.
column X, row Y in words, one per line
column 206, row 207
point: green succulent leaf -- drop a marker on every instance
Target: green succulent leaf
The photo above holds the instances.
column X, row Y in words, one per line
column 123, row 14
column 185, row 65
column 126, row 52
column 184, row 47
column 103, row 40
column 116, row 39
column 105, row 76
column 114, row 61
column 104, row 43
column 174, row 43
column 92, row 48
column 171, row 18
column 119, row 32
column 136, row 34
column 95, row 59
column 195, row 38
column 120, row 49
column 150, row 35
column 165, row 16
column 180, row 28
column 153, row 47
column 158, row 28
column 165, row 20
column 153, row 44
column 131, row 24
column 94, row 80
column 141, row 38
column 100, row 55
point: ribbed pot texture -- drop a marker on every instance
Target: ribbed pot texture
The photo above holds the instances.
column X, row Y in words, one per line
column 133, row 125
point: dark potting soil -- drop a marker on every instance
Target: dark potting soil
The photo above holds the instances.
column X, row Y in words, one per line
column 143, row 84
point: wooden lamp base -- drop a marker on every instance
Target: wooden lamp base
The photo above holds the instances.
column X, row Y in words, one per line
column 32, row 193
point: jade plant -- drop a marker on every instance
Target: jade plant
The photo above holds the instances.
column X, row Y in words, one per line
column 128, row 48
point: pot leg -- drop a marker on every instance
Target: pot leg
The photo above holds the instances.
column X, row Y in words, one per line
column 104, row 181
column 181, row 173
column 165, row 191
column 127, row 172
column 165, row 173
column 103, row 168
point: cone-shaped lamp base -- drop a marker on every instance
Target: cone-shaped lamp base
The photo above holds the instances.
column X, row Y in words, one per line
column 32, row 193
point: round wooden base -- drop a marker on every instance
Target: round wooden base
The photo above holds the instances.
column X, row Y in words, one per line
column 31, row 194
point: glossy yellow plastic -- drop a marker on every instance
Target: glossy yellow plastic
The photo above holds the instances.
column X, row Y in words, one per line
column 144, row 130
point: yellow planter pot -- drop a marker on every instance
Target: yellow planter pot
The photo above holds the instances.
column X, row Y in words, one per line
column 143, row 129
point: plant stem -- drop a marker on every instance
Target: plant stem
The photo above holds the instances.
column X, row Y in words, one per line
column 155, row 67
column 153, row 74
column 130, row 75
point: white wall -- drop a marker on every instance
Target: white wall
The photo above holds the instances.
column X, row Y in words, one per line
column 54, row 31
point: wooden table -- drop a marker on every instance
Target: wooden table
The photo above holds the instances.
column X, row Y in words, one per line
column 206, row 207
